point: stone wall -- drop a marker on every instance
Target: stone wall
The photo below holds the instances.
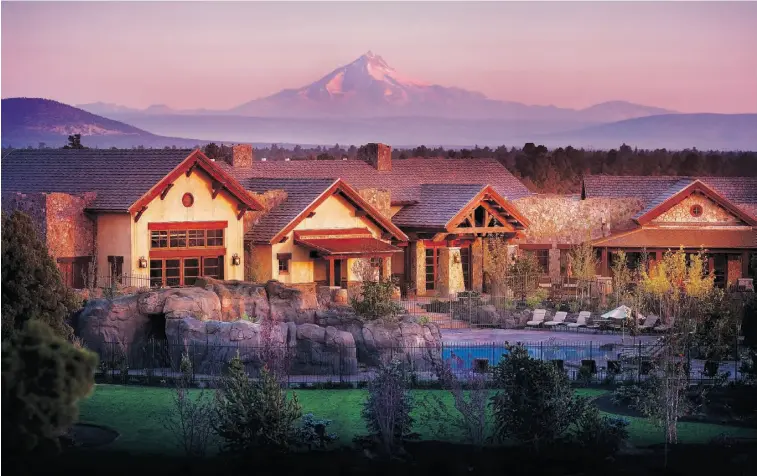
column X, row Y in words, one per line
column 569, row 220
column 380, row 199
column 70, row 231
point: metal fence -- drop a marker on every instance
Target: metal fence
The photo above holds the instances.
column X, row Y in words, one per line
column 119, row 282
column 159, row 362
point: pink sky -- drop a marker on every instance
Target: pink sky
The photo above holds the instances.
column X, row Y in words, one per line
column 686, row 56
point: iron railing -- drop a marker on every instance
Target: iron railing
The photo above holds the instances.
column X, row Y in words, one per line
column 159, row 361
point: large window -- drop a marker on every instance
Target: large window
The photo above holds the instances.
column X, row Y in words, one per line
column 185, row 238
column 432, row 260
column 184, row 271
column 542, row 259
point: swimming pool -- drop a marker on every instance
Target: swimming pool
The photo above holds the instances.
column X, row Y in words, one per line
column 461, row 356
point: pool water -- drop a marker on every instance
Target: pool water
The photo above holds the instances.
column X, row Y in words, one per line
column 462, row 357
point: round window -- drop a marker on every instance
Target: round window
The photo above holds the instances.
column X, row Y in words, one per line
column 187, row 200
column 696, row 210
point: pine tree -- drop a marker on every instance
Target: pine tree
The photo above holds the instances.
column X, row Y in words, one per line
column 32, row 287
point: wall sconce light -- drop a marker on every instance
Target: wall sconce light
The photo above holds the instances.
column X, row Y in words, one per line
column 235, row 260
column 142, row 262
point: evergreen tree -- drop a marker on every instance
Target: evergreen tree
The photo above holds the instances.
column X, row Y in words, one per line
column 32, row 287
column 43, row 378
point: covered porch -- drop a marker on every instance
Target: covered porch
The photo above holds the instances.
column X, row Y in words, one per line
column 345, row 257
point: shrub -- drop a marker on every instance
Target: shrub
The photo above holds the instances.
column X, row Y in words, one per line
column 537, row 403
column 387, row 409
column 43, row 378
column 601, row 435
column 629, row 394
column 189, row 419
column 424, row 320
column 375, row 301
column 313, row 432
column 256, row 414
column 535, row 299
column 32, row 287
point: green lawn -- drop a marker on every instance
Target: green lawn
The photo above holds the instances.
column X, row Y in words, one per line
column 135, row 413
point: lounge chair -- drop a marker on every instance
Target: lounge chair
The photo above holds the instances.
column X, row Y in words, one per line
column 665, row 327
column 649, row 323
column 581, row 320
column 559, row 319
column 538, row 318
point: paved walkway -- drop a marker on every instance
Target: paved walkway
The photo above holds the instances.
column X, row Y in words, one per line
column 471, row 336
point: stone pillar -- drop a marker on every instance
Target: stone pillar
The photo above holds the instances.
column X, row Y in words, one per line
column 417, row 252
column 734, row 269
column 386, row 267
column 449, row 277
column 477, row 264
column 554, row 262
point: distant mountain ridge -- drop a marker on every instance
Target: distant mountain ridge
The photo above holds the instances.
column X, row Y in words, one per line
column 30, row 121
column 368, row 88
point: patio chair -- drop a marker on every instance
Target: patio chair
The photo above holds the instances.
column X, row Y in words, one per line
column 580, row 321
column 558, row 320
column 649, row 323
column 538, row 318
column 665, row 327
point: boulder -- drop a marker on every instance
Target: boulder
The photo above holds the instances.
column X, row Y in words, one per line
column 324, row 350
column 486, row 315
column 106, row 324
column 407, row 340
column 239, row 300
column 212, row 344
column 198, row 303
column 332, row 296
column 290, row 303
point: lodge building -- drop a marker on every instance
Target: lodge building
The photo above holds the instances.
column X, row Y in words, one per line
column 173, row 215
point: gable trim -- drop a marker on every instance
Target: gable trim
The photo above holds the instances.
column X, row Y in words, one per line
column 488, row 192
column 687, row 191
column 341, row 186
column 194, row 160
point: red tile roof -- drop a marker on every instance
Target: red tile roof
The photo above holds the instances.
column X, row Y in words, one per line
column 347, row 246
column 404, row 180
column 687, row 237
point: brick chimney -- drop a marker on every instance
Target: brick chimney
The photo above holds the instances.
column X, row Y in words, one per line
column 378, row 155
column 241, row 155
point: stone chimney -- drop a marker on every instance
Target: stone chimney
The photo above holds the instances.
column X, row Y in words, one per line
column 241, row 155
column 378, row 155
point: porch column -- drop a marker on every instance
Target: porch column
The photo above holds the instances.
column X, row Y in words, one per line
column 450, row 278
column 477, row 264
column 386, row 267
column 605, row 268
column 417, row 252
column 331, row 273
column 554, row 262
column 745, row 264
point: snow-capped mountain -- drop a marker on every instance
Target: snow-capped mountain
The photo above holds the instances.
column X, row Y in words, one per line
column 369, row 87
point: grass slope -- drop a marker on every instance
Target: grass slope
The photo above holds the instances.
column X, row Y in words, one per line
column 135, row 412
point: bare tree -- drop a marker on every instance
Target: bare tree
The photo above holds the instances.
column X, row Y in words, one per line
column 189, row 418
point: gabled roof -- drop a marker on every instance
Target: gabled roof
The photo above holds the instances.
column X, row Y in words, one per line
column 404, row 180
column 303, row 197
column 682, row 189
column 440, row 205
column 120, row 178
column 221, row 179
column 740, row 191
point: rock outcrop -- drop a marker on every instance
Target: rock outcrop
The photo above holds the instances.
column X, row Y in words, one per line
column 313, row 332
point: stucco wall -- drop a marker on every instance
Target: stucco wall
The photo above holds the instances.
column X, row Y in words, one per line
column 260, row 263
column 712, row 213
column 567, row 220
column 113, row 232
column 333, row 213
column 205, row 208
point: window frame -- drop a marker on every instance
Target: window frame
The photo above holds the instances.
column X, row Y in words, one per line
column 186, row 236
